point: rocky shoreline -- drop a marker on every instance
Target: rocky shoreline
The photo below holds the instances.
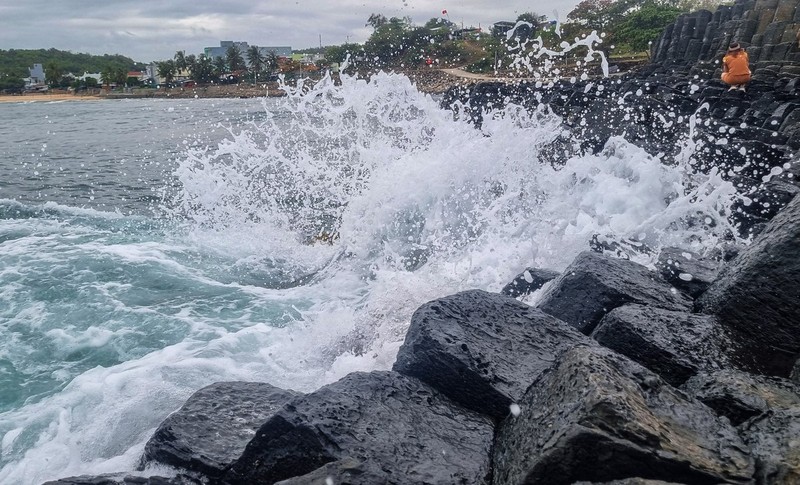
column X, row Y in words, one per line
column 616, row 373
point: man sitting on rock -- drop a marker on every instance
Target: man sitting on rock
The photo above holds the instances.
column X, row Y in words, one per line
column 736, row 68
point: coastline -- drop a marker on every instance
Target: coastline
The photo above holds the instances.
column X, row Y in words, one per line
column 429, row 81
column 45, row 98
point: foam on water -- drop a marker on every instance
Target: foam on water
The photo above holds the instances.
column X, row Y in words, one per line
column 119, row 319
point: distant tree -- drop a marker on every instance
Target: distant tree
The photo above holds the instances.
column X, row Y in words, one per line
column 11, row 85
column 256, row 60
column 53, row 73
column 166, row 70
column 202, row 69
column 271, row 61
column 644, row 25
column 338, row 53
column 234, row 59
column 530, row 17
column 106, row 76
column 220, row 66
column 114, row 75
column 376, row 20
column 180, row 61
column 389, row 42
column 593, row 14
column 191, row 61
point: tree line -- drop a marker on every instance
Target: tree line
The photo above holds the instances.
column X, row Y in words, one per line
column 204, row 69
column 628, row 27
column 14, row 64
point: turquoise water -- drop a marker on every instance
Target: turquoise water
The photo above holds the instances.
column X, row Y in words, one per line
column 151, row 247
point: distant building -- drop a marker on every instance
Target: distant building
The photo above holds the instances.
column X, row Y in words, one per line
column 36, row 75
column 95, row 75
column 138, row 75
column 221, row 51
column 151, row 71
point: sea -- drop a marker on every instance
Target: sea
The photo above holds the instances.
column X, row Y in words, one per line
column 151, row 247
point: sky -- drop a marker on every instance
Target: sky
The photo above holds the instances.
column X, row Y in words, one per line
column 148, row 30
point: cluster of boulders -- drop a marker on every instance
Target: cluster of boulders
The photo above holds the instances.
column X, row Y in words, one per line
column 619, row 374
column 686, row 373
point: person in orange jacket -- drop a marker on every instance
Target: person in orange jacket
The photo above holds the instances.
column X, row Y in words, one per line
column 736, row 68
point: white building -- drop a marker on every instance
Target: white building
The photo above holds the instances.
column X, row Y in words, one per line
column 36, row 75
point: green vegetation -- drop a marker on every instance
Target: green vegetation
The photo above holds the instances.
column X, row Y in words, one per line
column 15, row 62
column 628, row 27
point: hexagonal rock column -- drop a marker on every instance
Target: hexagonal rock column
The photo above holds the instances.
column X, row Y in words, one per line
column 758, row 295
column 595, row 284
column 600, row 417
column 397, row 427
column 767, row 412
column 482, row 349
column 674, row 345
column 210, row 431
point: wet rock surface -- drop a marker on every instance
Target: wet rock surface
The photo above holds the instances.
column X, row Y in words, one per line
column 122, row 479
column 773, row 439
column 757, row 295
column 740, row 396
column 529, row 281
column 482, row 349
column 599, row 417
column 629, row 481
column 594, row 284
column 347, row 471
column 674, row 345
column 578, row 412
column 686, row 271
column 212, row 428
column 411, row 432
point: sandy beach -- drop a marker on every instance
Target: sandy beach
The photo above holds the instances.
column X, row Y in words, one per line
column 28, row 98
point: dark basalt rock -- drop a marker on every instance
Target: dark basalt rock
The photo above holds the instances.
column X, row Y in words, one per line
column 674, row 345
column 213, row 427
column 686, row 271
column 629, row 481
column 599, row 417
column 529, row 281
column 740, row 396
column 773, row 439
column 796, row 372
column 123, row 479
column 347, row 471
column 482, row 349
column 411, row 432
column 758, row 296
column 595, row 284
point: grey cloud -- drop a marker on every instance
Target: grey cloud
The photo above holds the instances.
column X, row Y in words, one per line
column 149, row 30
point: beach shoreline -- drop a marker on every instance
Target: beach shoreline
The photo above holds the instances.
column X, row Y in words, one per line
column 44, row 98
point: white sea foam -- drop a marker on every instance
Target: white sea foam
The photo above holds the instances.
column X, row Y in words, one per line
column 239, row 287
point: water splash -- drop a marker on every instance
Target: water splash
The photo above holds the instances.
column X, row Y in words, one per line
column 415, row 203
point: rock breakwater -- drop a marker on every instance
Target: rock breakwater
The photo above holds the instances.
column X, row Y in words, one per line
column 650, row 385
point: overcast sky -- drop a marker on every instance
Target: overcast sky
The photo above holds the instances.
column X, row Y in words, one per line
column 148, row 30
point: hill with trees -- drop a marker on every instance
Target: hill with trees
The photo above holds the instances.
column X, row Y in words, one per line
column 15, row 62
